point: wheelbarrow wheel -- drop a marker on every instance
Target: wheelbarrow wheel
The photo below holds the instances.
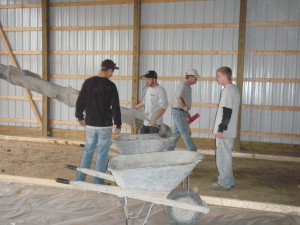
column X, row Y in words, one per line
column 177, row 216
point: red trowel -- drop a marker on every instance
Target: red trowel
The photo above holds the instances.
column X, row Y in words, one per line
column 191, row 119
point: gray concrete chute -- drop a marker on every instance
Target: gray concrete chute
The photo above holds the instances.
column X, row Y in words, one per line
column 67, row 95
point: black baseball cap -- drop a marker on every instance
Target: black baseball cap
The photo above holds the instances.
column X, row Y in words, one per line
column 151, row 74
column 109, row 64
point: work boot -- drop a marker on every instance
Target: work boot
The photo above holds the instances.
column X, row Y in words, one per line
column 217, row 186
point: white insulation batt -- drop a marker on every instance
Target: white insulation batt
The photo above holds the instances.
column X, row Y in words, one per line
column 30, row 204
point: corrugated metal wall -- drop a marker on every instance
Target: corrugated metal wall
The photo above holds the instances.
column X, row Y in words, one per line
column 21, row 41
column 171, row 65
column 197, row 12
column 91, row 40
column 272, row 66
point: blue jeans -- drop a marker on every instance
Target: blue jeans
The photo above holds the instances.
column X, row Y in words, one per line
column 103, row 138
column 180, row 126
column 224, row 161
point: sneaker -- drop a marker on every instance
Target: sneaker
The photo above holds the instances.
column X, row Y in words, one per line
column 217, row 186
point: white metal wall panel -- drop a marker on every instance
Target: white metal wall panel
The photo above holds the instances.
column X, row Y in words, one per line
column 89, row 40
column 272, row 66
column 197, row 12
column 20, row 41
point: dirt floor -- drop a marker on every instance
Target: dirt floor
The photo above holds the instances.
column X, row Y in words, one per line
column 256, row 180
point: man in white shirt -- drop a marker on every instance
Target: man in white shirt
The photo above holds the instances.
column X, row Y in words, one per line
column 225, row 129
column 155, row 102
column 182, row 105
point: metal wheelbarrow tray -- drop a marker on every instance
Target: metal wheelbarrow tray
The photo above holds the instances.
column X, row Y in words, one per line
column 141, row 143
column 151, row 177
column 159, row 171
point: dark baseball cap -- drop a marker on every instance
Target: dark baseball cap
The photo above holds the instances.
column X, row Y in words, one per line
column 109, row 64
column 151, row 74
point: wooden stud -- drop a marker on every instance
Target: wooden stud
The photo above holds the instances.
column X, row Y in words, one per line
column 15, row 64
column 240, row 67
column 45, row 69
column 136, row 54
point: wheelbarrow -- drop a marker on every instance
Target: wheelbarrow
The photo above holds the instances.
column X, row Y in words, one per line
column 132, row 143
column 151, row 177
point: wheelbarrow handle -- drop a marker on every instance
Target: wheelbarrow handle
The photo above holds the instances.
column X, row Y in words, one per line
column 71, row 167
column 63, row 181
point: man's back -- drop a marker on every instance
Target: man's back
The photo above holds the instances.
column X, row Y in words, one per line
column 99, row 99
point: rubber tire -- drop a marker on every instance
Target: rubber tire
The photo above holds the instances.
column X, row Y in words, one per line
column 183, row 194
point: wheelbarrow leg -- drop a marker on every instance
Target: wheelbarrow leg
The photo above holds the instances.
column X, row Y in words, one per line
column 125, row 205
column 148, row 214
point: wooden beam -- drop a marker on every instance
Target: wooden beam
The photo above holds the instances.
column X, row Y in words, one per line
column 274, row 24
column 17, row 120
column 90, row 3
column 272, row 52
column 189, row 26
column 272, row 80
column 136, row 54
column 156, row 26
column 240, row 67
column 269, row 134
column 191, row 52
column 150, row 52
column 90, row 52
column 20, row 6
column 76, row 28
column 15, row 63
column 13, row 29
column 21, row 52
column 178, row 78
column 45, row 69
column 84, row 77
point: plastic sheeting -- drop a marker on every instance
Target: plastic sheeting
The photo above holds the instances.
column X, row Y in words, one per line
column 27, row 205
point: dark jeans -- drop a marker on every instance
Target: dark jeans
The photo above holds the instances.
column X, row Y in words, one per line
column 149, row 130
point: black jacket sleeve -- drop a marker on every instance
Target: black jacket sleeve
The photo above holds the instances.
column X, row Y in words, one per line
column 116, row 108
column 81, row 102
column 225, row 119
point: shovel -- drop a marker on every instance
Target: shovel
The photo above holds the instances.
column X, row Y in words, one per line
column 164, row 130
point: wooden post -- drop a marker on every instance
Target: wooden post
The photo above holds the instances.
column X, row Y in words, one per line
column 15, row 64
column 240, row 66
column 45, row 71
column 136, row 54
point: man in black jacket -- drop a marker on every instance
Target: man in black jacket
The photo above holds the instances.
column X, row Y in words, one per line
column 99, row 99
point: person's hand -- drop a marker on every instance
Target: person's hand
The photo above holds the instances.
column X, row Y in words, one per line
column 117, row 130
column 153, row 123
column 188, row 115
column 219, row 135
column 82, row 122
column 186, row 109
